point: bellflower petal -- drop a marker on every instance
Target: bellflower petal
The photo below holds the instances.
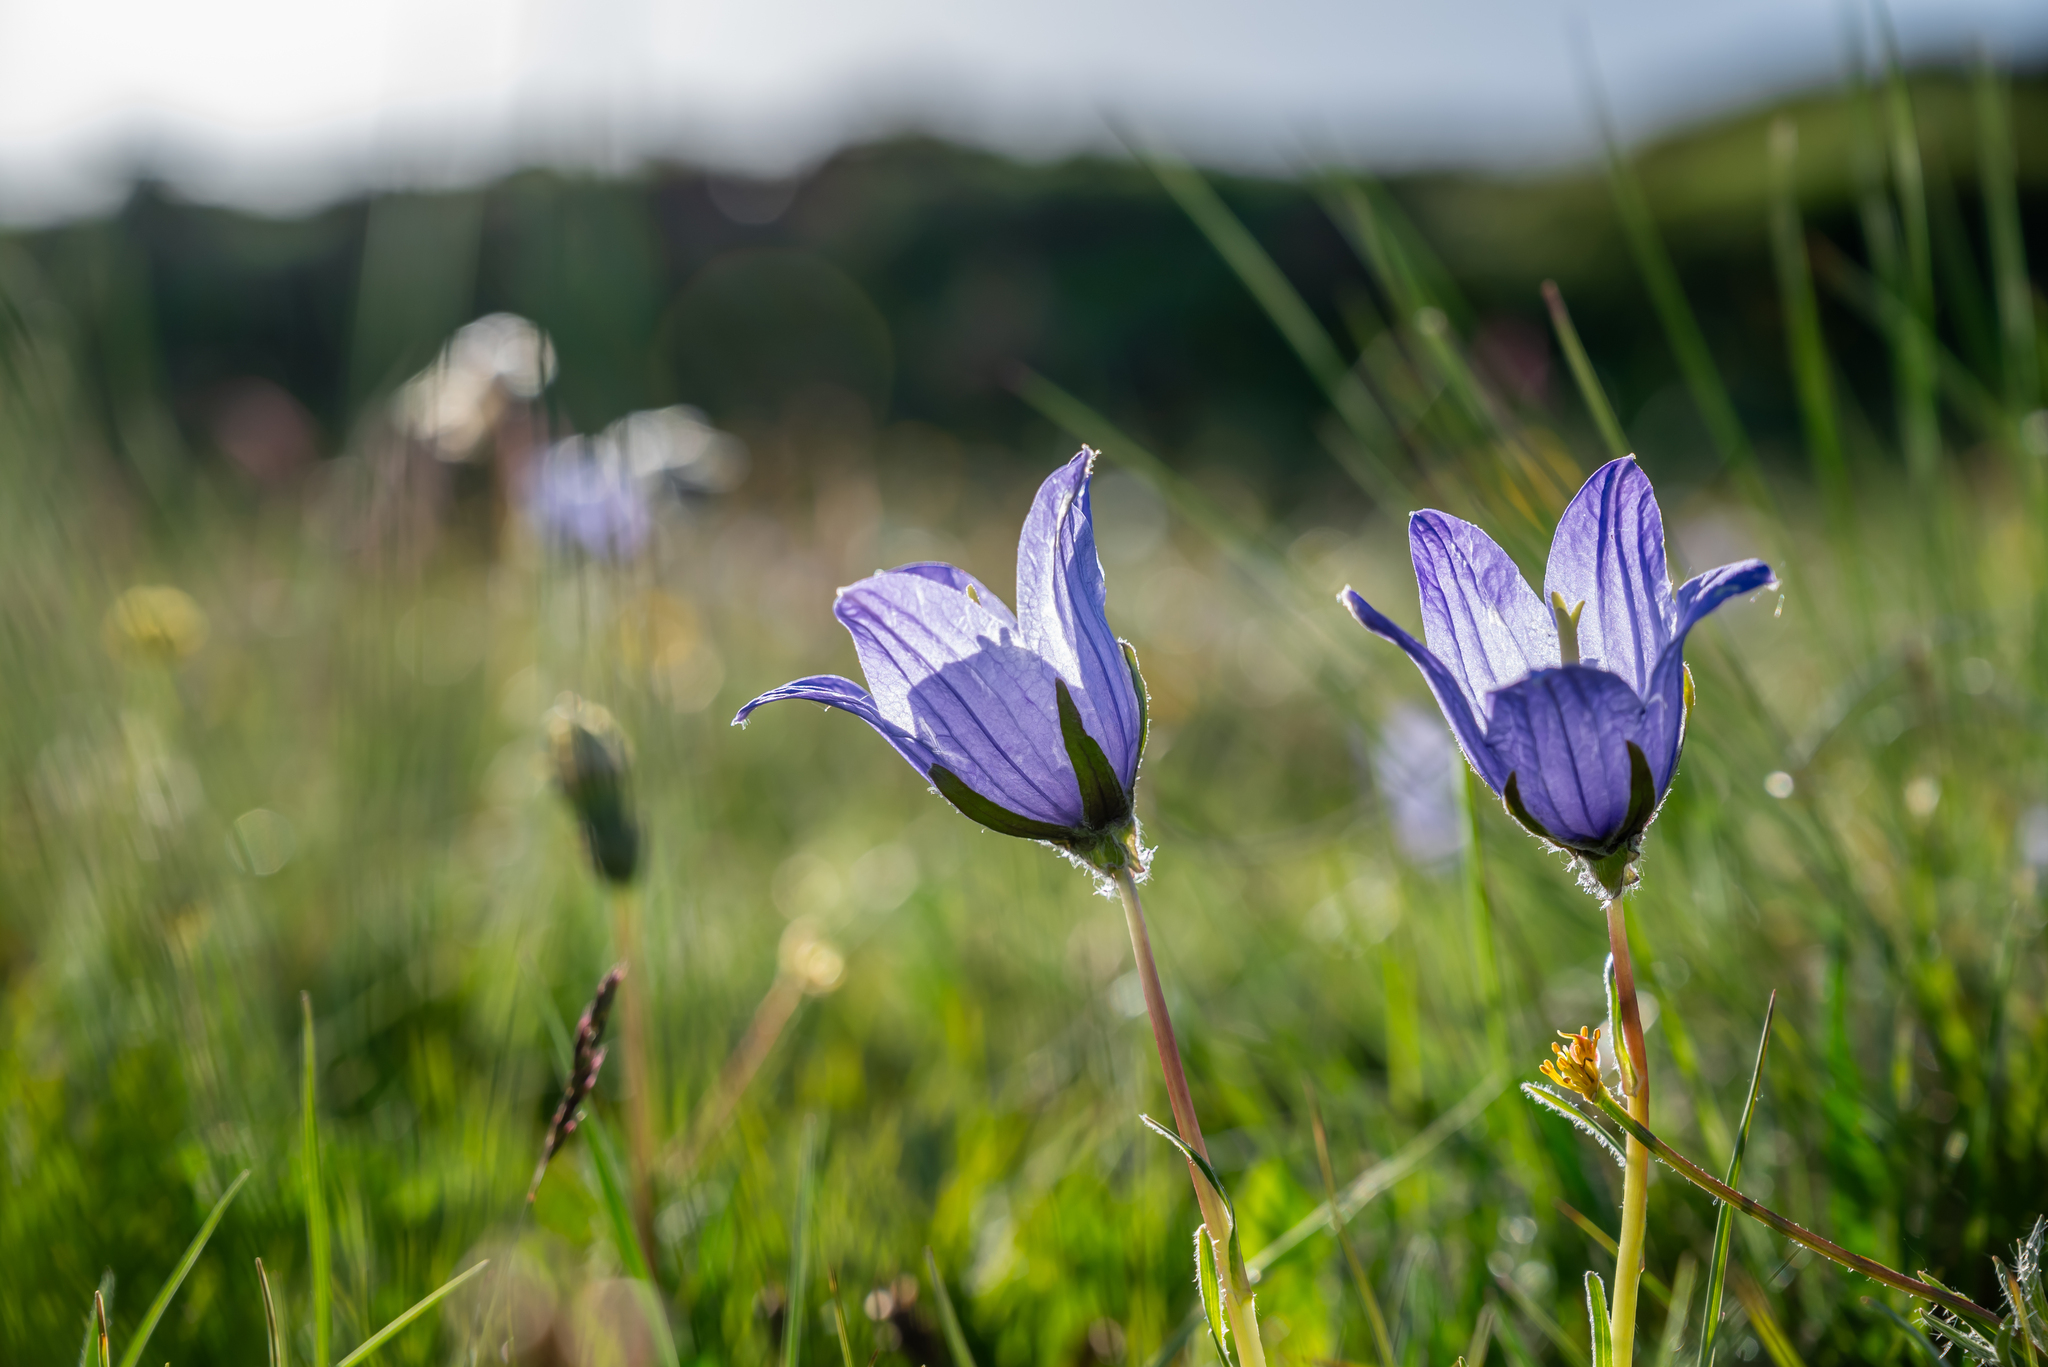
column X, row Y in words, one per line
column 1479, row 614
column 1450, row 694
column 1695, row 598
column 847, row 696
column 952, row 576
column 950, row 671
column 1609, row 554
column 1564, row 733
column 1060, row 613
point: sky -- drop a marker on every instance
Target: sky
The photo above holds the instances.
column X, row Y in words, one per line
column 282, row 105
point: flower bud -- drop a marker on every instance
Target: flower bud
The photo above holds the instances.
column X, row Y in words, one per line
column 592, row 761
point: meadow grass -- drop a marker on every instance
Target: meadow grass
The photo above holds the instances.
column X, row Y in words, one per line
column 894, row 1063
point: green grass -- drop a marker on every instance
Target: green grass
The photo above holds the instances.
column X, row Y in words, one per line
column 963, row 1097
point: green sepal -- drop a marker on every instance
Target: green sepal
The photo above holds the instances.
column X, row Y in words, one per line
column 1642, row 794
column 997, row 818
column 1211, row 1288
column 1596, row 1311
column 1144, row 699
column 1103, row 799
column 1511, row 793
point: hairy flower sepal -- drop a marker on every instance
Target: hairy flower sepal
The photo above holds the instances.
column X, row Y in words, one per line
column 1575, row 1068
column 1032, row 723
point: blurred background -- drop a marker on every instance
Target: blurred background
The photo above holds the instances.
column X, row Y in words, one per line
column 370, row 380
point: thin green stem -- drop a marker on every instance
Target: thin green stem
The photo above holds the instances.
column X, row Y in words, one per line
column 1635, row 1187
column 1244, row 1318
column 1797, row 1233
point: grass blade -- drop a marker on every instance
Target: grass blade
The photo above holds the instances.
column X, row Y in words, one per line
column 1681, row 325
column 1582, row 371
column 1295, row 321
column 794, row 1322
column 1596, row 1316
column 1383, row 1342
column 1680, row 1302
column 2018, row 341
column 604, row 1160
column 1812, row 380
column 949, row 1323
column 1652, row 1283
column 319, row 1245
column 272, row 1339
column 1769, row 1332
column 97, row 1331
column 1913, row 354
column 839, row 1321
column 177, row 1277
column 426, row 1303
column 1724, row 1219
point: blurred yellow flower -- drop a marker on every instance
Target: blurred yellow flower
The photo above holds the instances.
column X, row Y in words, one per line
column 154, row 622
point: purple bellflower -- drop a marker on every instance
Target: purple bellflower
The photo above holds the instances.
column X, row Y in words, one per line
column 1573, row 712
column 1031, row 723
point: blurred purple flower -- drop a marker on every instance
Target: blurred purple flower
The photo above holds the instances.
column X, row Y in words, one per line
column 583, row 497
column 1412, row 767
column 1032, row 724
column 1573, row 713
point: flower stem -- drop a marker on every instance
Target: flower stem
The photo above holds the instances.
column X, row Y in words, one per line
column 1244, row 1318
column 1635, row 1187
column 1639, row 1133
column 639, row 1095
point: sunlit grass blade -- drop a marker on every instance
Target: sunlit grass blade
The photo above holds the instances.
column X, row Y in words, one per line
column 798, row 1315
column 1296, row 322
column 949, row 1323
column 1651, row 1282
column 1768, row 1331
column 177, row 1277
column 272, row 1338
column 428, row 1302
column 1596, row 1317
column 96, row 1333
column 319, row 1245
column 1922, row 1345
column 1681, row 325
column 1913, row 359
column 839, row 1321
column 1482, row 1336
column 2019, row 341
column 1590, row 390
column 1565, row 1344
column 1812, row 379
column 1724, row 1218
column 1375, row 1318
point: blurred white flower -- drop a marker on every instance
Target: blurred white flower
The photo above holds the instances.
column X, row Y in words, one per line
column 453, row 404
column 2033, row 836
column 1415, row 765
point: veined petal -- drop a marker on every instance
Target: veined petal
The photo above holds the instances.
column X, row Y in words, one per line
column 1060, row 612
column 954, row 674
column 847, row 696
column 1450, row 695
column 952, row 576
column 1608, row 553
column 1479, row 614
column 1564, row 734
column 1695, row 598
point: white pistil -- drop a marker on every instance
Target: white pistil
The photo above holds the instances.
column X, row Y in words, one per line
column 1567, row 627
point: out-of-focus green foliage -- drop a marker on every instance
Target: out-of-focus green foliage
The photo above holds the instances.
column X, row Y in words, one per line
column 321, row 766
